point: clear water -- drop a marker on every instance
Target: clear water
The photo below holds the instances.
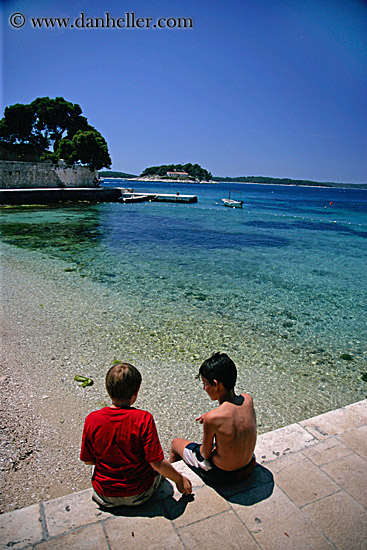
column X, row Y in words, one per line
column 280, row 285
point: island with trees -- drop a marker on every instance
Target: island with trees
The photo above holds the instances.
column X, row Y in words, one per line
column 51, row 130
column 187, row 172
column 159, row 173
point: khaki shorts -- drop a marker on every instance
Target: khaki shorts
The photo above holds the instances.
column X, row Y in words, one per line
column 133, row 500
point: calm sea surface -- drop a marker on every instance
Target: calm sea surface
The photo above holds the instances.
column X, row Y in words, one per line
column 280, row 285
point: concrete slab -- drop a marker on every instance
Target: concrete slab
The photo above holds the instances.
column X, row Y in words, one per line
column 342, row 519
column 301, row 480
column 359, row 409
column 356, row 440
column 318, row 501
column 255, row 488
column 76, row 510
column 20, row 528
column 206, row 503
column 350, row 473
column 142, row 533
column 218, row 532
column 335, row 422
column 326, row 451
column 89, row 538
column 55, row 195
column 283, row 441
column 277, row 523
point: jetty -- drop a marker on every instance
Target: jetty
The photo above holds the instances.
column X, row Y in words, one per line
column 54, row 195
column 159, row 197
column 308, row 491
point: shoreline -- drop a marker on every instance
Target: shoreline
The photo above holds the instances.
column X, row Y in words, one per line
column 46, row 342
column 351, row 187
column 56, row 325
column 41, row 419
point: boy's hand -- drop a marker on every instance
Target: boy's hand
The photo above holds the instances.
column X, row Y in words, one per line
column 184, row 486
column 166, row 469
column 200, row 418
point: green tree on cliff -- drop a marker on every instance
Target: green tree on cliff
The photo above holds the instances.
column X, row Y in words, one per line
column 52, row 129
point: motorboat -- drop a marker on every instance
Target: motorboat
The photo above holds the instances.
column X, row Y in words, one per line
column 232, row 203
column 137, row 198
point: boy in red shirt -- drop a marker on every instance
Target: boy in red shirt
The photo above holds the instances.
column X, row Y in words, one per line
column 123, row 445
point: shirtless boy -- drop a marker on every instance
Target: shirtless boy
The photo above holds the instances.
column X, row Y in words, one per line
column 226, row 453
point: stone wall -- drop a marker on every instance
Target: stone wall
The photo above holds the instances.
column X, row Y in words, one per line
column 26, row 175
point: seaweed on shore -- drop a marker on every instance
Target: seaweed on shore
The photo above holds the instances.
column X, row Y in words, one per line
column 84, row 380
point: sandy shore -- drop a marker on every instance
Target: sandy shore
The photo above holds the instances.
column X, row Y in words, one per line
column 41, row 418
column 52, row 328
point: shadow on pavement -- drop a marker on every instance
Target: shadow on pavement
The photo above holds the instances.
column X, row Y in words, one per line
column 161, row 504
column 259, row 486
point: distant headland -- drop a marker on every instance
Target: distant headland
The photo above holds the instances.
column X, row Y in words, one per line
column 288, row 181
column 178, row 173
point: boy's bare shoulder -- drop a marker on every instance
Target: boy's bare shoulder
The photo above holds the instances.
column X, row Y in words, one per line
column 212, row 416
column 215, row 416
column 248, row 398
column 225, row 409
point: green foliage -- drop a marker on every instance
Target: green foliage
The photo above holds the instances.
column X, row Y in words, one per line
column 23, row 151
column 66, row 151
column 17, row 123
column 89, row 147
column 52, row 129
column 114, row 174
column 364, row 377
column 195, row 171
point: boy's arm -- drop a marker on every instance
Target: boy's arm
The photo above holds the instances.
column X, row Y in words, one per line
column 166, row 469
column 206, row 447
column 86, row 453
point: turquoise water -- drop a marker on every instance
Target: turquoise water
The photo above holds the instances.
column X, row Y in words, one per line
column 280, row 285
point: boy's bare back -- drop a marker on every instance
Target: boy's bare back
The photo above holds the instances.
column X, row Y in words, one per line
column 234, row 427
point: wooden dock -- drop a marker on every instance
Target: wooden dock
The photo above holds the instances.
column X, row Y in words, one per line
column 161, row 197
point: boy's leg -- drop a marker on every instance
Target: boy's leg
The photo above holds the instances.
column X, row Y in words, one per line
column 177, row 449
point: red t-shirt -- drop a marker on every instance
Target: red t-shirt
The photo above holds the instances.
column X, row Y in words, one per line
column 122, row 442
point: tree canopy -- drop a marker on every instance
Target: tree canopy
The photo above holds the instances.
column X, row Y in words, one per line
column 193, row 170
column 52, row 129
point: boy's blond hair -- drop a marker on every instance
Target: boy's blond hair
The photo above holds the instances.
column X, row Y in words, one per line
column 122, row 381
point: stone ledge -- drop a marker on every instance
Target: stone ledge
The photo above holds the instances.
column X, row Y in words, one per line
column 282, row 517
column 55, row 195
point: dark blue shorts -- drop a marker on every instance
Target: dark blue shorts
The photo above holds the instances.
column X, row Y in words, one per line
column 209, row 472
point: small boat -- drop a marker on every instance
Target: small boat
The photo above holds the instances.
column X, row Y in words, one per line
column 137, row 198
column 232, row 202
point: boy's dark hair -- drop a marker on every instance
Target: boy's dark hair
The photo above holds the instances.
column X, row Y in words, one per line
column 122, row 381
column 221, row 368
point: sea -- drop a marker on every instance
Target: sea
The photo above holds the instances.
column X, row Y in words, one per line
column 280, row 285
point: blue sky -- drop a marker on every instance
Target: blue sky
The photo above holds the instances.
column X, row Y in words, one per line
column 257, row 87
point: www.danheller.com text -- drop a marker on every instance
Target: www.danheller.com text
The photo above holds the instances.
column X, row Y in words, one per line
column 129, row 20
